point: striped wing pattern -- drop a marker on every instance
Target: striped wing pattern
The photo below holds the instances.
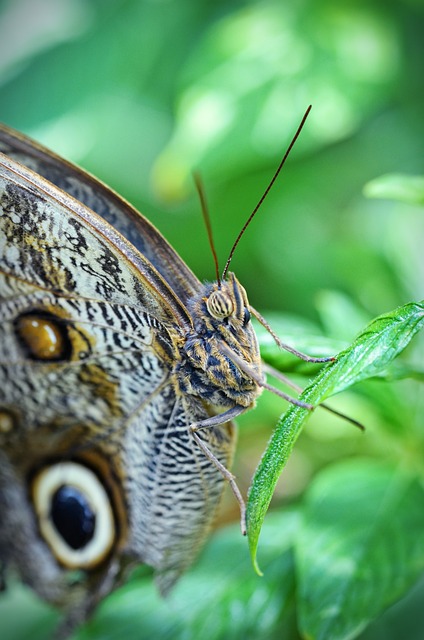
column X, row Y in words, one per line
column 110, row 397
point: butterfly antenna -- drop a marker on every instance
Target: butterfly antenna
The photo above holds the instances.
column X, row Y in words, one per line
column 207, row 219
column 264, row 195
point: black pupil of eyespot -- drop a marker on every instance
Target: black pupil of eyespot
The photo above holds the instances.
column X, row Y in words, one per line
column 246, row 316
column 73, row 516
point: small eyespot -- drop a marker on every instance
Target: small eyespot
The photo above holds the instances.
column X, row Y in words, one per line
column 42, row 336
column 74, row 514
column 8, row 420
column 246, row 316
column 220, row 305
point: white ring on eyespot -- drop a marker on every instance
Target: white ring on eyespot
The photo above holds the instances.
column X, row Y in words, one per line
column 46, row 483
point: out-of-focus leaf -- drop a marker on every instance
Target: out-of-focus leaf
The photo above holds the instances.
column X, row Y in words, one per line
column 23, row 616
column 397, row 186
column 339, row 314
column 360, row 546
column 242, row 104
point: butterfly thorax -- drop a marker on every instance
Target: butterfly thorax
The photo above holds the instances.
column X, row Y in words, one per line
column 221, row 335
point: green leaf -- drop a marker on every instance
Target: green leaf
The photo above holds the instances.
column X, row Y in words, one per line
column 396, row 186
column 360, row 546
column 370, row 354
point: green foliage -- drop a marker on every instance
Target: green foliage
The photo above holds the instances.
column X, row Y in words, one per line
column 360, row 546
column 140, row 93
column 408, row 189
column 369, row 355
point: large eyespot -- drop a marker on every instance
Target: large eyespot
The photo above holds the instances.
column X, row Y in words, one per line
column 74, row 514
column 220, row 305
column 43, row 336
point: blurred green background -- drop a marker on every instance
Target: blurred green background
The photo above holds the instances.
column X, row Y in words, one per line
column 141, row 93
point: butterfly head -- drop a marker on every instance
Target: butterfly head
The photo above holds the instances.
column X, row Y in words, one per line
column 223, row 339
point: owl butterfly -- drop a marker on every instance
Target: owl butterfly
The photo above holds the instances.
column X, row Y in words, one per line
column 114, row 362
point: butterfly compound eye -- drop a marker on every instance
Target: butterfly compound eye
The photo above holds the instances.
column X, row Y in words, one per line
column 220, row 305
column 74, row 514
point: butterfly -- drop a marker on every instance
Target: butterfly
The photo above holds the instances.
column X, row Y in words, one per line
column 120, row 376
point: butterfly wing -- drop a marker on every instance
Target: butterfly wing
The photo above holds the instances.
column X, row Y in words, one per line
column 87, row 331
column 106, row 203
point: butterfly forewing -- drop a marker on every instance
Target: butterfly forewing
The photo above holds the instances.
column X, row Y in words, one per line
column 107, row 204
column 88, row 327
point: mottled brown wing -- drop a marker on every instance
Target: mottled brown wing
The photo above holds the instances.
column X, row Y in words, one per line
column 87, row 331
column 106, row 203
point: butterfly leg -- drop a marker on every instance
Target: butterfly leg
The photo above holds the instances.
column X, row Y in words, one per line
column 214, row 421
column 283, row 345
